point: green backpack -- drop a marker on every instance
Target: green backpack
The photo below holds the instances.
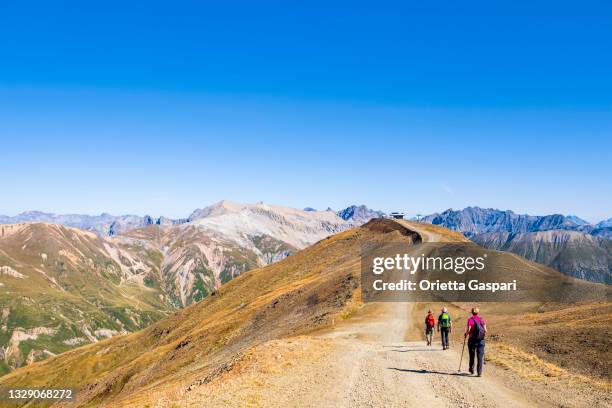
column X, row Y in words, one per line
column 445, row 320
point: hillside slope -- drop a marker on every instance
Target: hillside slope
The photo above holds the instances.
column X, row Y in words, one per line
column 199, row 342
column 194, row 261
column 571, row 252
column 184, row 354
column 566, row 243
column 62, row 287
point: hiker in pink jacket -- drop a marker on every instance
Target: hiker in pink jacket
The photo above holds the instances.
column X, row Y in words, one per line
column 476, row 330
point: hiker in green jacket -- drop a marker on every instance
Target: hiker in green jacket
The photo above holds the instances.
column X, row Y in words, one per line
column 444, row 327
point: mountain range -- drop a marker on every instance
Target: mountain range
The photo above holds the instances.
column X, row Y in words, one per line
column 302, row 313
column 475, row 220
column 103, row 224
column 567, row 243
column 107, row 224
column 77, row 279
column 62, row 286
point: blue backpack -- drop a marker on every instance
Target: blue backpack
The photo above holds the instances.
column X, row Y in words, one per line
column 478, row 331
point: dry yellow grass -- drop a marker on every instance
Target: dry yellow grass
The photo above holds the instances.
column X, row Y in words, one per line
column 533, row 368
column 209, row 342
column 308, row 290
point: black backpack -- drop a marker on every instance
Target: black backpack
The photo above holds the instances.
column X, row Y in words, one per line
column 478, row 331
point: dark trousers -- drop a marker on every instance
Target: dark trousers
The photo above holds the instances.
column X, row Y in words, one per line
column 444, row 331
column 476, row 347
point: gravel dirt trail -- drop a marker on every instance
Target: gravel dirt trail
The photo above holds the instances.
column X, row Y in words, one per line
column 381, row 369
column 377, row 362
column 377, row 358
column 363, row 362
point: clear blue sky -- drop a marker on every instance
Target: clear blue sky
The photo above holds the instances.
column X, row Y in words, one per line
column 160, row 108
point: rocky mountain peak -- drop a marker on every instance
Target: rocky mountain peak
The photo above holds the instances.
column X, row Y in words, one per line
column 359, row 214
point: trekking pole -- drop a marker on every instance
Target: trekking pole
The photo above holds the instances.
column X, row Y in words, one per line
column 462, row 349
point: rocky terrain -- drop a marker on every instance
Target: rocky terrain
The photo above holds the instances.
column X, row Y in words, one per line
column 575, row 253
column 61, row 287
column 103, row 224
column 567, row 243
column 472, row 221
column 238, row 222
column 193, row 262
column 359, row 214
column 109, row 225
column 296, row 332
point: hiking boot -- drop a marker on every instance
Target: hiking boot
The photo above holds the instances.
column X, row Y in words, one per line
column 471, row 372
column 479, row 375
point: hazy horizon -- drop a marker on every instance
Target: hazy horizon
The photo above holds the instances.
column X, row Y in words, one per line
column 154, row 215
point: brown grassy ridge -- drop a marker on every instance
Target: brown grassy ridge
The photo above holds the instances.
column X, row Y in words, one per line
column 441, row 234
column 304, row 292
column 310, row 290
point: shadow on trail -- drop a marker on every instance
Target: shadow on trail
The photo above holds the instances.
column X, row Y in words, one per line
column 404, row 351
column 407, row 370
